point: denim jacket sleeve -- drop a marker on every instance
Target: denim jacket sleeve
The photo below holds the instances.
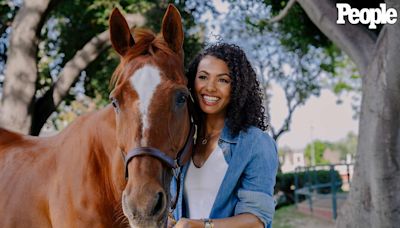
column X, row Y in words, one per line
column 255, row 193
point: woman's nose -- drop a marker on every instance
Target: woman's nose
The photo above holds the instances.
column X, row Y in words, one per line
column 210, row 86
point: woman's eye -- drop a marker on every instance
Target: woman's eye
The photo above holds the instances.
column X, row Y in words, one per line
column 224, row 80
column 202, row 77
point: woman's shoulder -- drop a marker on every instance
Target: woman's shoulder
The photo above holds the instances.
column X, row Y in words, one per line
column 255, row 134
column 257, row 139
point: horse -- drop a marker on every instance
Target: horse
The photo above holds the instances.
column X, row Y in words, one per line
column 112, row 167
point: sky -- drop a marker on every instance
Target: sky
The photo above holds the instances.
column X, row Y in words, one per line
column 320, row 118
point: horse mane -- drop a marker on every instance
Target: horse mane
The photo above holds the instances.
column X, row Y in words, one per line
column 150, row 46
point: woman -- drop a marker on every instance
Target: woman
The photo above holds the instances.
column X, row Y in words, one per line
column 230, row 179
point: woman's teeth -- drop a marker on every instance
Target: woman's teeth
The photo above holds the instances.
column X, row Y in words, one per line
column 210, row 99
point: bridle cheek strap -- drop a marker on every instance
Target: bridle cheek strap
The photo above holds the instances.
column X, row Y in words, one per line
column 174, row 164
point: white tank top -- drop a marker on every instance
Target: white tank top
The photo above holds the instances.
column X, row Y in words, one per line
column 202, row 184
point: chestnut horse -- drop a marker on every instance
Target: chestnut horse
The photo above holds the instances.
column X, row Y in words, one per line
column 79, row 178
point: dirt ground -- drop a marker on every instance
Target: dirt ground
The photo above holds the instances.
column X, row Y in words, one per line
column 289, row 217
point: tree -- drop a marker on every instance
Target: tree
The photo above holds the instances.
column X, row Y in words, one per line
column 346, row 146
column 59, row 43
column 22, row 109
column 374, row 198
column 314, row 153
column 300, row 68
column 7, row 14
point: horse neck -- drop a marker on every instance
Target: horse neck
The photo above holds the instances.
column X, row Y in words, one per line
column 97, row 131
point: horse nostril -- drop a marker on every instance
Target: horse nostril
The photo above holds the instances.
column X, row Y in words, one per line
column 159, row 204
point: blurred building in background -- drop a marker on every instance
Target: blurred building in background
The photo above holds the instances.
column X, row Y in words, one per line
column 290, row 159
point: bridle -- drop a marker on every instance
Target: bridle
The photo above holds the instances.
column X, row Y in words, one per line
column 173, row 163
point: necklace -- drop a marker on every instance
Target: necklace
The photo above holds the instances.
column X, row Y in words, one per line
column 205, row 140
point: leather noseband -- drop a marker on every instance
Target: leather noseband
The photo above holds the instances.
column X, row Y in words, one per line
column 174, row 163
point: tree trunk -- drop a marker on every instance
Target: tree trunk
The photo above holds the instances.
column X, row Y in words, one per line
column 20, row 111
column 47, row 104
column 21, row 67
column 355, row 40
column 374, row 198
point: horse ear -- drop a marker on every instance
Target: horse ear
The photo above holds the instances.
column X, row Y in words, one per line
column 172, row 30
column 120, row 35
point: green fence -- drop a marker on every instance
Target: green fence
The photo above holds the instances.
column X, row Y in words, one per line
column 320, row 181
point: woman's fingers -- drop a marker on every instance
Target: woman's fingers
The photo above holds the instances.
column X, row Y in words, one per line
column 171, row 222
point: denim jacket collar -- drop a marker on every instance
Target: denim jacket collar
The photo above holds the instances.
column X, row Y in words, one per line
column 227, row 136
column 239, row 192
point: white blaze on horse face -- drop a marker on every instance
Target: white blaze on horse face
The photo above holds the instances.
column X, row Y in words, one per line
column 145, row 81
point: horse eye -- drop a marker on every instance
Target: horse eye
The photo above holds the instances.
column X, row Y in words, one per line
column 114, row 103
column 181, row 99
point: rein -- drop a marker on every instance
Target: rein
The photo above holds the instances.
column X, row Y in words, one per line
column 173, row 163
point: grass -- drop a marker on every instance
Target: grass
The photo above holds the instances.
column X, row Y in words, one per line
column 282, row 215
column 289, row 217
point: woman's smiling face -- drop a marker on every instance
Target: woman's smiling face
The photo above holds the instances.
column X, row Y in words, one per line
column 213, row 85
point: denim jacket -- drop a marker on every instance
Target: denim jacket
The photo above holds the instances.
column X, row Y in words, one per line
column 248, row 185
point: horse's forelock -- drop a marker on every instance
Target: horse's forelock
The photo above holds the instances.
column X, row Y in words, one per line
column 147, row 44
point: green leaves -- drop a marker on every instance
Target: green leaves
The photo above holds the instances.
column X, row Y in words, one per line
column 343, row 147
column 314, row 152
column 299, row 31
column 341, row 86
column 73, row 23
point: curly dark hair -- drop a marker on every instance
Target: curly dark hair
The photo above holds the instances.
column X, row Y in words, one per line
column 245, row 108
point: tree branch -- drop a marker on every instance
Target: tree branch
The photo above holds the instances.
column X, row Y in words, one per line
column 48, row 103
column 77, row 64
column 286, row 123
column 355, row 40
column 84, row 57
column 283, row 13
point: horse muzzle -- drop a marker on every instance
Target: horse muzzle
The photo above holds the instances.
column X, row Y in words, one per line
column 144, row 207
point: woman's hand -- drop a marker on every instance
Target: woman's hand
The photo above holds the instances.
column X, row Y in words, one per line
column 244, row 220
column 171, row 222
column 189, row 223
